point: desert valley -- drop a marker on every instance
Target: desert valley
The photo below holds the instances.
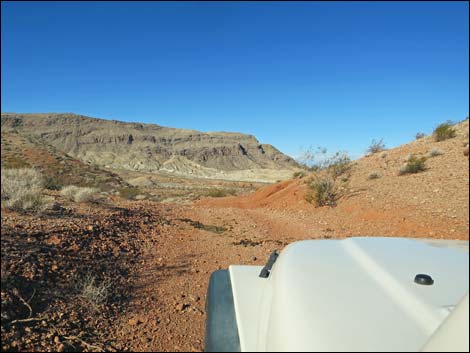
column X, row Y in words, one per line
column 110, row 230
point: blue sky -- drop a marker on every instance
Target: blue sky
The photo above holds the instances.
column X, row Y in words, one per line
column 293, row 74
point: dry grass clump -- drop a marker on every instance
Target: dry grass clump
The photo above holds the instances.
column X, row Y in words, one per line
column 374, row 175
column 22, row 190
column 94, row 293
column 434, row 152
column 79, row 194
column 444, row 131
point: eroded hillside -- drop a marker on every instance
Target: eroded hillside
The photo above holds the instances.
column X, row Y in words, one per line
column 149, row 147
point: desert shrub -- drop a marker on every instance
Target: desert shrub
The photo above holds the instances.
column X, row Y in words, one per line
column 444, row 131
column 86, row 194
column 319, row 159
column 413, row 165
column 374, row 175
column 339, row 164
column 322, row 192
column 299, row 174
column 129, row 193
column 376, row 146
column 435, row 152
column 383, row 154
column 79, row 194
column 21, row 190
column 92, row 292
column 52, row 183
column 220, row 192
column 420, row 135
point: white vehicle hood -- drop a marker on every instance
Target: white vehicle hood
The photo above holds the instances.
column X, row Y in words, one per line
column 356, row 294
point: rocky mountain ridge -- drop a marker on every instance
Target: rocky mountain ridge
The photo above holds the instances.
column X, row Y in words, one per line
column 148, row 147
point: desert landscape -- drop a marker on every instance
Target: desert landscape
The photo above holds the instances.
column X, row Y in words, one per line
column 110, row 230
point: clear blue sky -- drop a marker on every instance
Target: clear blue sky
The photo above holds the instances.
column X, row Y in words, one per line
column 292, row 74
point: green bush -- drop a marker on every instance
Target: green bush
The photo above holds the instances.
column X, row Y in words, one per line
column 322, row 192
column 414, row 165
column 444, row 131
column 299, row 174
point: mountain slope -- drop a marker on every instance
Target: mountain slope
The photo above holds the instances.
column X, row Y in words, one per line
column 24, row 151
column 147, row 147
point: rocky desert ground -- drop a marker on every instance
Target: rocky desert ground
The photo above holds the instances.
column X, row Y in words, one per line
column 127, row 270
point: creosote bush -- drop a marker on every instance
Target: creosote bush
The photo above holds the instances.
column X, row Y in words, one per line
column 413, row 165
column 444, row 131
column 376, row 146
column 22, row 190
column 420, row 135
column 322, row 192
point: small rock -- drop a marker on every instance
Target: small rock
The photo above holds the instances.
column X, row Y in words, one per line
column 182, row 306
column 60, row 348
column 134, row 321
